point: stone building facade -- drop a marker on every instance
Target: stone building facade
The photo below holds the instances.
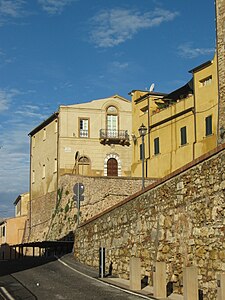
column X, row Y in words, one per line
column 178, row 220
column 220, row 29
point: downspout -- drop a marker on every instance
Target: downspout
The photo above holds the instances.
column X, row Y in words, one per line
column 149, row 154
column 218, row 77
column 30, row 188
column 194, row 112
column 57, row 153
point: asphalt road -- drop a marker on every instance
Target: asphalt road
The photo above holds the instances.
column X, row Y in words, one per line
column 44, row 280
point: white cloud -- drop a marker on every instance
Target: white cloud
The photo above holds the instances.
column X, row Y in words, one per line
column 113, row 27
column 11, row 8
column 118, row 65
column 54, row 6
column 6, row 97
column 186, row 50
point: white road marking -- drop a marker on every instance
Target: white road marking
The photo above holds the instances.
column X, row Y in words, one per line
column 104, row 283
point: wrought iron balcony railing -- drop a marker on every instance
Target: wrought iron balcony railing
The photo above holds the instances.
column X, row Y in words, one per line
column 108, row 136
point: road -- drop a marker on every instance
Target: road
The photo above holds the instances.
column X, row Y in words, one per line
column 41, row 279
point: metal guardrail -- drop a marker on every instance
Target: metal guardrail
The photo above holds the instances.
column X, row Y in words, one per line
column 114, row 134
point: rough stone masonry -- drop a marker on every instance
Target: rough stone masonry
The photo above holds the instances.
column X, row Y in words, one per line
column 180, row 221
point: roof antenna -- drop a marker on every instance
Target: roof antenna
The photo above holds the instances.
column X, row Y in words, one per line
column 151, row 89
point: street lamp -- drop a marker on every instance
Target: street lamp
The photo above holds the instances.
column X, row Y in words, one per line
column 142, row 131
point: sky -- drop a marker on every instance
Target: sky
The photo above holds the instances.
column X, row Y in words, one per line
column 60, row 52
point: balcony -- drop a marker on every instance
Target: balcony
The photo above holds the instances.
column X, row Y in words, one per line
column 114, row 137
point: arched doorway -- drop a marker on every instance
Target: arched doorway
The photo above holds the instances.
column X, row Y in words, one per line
column 112, row 167
column 84, row 166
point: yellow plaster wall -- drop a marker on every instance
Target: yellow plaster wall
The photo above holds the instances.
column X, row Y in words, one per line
column 194, row 109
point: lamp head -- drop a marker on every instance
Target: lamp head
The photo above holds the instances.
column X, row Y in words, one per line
column 142, row 130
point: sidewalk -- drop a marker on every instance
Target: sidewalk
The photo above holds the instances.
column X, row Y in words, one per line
column 146, row 292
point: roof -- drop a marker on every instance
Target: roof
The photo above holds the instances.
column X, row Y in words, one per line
column 200, row 67
column 99, row 102
column 2, row 221
column 19, row 198
column 149, row 94
column 43, row 124
column 180, row 93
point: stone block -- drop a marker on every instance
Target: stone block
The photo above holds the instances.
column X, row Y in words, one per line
column 159, row 280
column 190, row 282
column 221, row 286
column 135, row 274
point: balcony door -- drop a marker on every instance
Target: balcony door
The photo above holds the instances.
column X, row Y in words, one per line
column 112, row 122
column 112, row 167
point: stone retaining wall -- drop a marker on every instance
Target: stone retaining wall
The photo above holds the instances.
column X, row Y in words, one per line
column 179, row 220
column 54, row 216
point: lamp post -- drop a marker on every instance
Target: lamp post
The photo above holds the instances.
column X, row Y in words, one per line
column 142, row 131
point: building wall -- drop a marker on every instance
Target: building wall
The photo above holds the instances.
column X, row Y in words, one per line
column 70, row 141
column 166, row 124
column 206, row 104
column 43, row 170
column 55, row 142
column 14, row 231
column 21, row 206
column 178, row 220
column 54, row 216
column 220, row 26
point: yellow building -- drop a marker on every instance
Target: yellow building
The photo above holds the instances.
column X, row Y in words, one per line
column 181, row 126
column 12, row 230
column 89, row 139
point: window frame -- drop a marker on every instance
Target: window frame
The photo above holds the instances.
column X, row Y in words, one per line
column 208, row 126
column 156, row 146
column 79, row 127
column 183, row 136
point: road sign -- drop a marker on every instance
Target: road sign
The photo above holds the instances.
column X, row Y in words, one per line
column 78, row 190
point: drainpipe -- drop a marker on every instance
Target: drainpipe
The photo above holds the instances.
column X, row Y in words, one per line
column 218, row 77
column 57, row 155
column 149, row 154
column 194, row 112
column 30, row 187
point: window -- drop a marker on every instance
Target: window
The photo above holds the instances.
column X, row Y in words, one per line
column 206, row 81
column 84, row 126
column 208, row 125
column 183, row 135
column 3, row 231
column 112, row 122
column 156, row 145
column 43, row 171
column 44, row 134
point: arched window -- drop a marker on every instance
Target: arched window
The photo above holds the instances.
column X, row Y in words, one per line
column 112, row 167
column 112, row 121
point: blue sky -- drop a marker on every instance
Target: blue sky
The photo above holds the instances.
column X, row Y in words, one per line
column 56, row 52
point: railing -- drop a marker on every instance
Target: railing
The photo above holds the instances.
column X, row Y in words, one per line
column 83, row 133
column 120, row 136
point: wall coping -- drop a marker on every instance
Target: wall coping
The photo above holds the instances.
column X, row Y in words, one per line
column 183, row 169
column 110, row 177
